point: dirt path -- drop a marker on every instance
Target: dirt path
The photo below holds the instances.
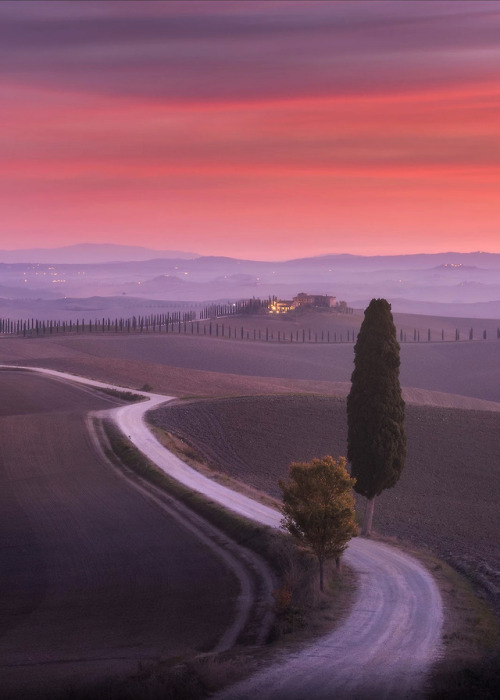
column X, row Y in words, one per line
column 384, row 649
column 387, row 644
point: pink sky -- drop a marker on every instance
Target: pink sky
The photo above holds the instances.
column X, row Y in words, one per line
column 259, row 130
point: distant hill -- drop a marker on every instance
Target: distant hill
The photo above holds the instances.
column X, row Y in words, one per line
column 410, row 262
column 485, row 309
column 90, row 253
column 458, row 284
column 99, row 253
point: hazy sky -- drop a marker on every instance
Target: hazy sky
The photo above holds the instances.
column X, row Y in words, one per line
column 254, row 129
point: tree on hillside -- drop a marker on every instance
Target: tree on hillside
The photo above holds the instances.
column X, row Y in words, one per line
column 376, row 439
column 318, row 508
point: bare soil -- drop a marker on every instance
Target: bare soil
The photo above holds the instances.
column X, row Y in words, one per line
column 204, row 366
column 446, row 499
column 94, row 580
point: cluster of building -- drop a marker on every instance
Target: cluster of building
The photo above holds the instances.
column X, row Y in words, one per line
column 303, row 301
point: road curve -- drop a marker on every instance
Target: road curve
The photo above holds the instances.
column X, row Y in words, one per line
column 388, row 643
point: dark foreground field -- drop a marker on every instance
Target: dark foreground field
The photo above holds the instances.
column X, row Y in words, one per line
column 94, row 579
column 446, row 499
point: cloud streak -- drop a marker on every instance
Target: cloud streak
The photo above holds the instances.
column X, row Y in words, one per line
column 193, row 51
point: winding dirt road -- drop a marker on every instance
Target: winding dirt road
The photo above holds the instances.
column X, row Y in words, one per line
column 386, row 646
column 97, row 572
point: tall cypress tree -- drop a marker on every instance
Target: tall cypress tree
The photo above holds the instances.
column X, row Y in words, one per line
column 376, row 438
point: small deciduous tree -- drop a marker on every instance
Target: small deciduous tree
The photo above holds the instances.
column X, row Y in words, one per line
column 376, row 438
column 318, row 508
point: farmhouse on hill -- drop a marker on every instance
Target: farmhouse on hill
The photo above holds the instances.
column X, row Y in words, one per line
column 314, row 301
column 304, row 301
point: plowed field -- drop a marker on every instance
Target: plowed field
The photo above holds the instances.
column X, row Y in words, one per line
column 446, row 499
column 93, row 578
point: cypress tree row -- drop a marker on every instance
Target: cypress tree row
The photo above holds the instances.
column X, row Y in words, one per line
column 376, row 438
